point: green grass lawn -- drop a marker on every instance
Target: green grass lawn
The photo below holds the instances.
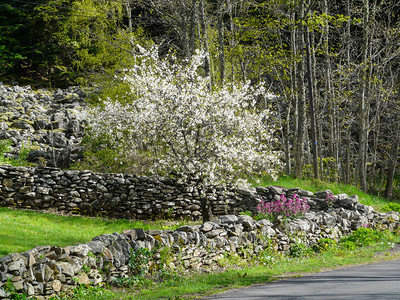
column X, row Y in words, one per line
column 24, row 230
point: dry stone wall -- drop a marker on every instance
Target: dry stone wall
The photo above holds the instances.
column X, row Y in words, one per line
column 137, row 197
column 113, row 195
column 49, row 270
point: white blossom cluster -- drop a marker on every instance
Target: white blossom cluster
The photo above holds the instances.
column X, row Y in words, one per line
column 177, row 125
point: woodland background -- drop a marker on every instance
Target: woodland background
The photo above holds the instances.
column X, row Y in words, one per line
column 333, row 66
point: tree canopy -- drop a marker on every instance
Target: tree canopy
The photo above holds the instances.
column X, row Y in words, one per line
column 332, row 64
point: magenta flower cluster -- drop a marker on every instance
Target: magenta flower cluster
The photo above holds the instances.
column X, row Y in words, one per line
column 329, row 200
column 286, row 207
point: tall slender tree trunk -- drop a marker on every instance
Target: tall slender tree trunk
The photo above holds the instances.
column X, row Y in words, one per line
column 207, row 67
column 301, row 108
column 363, row 102
column 294, row 93
column 129, row 14
column 392, row 163
column 348, row 164
column 300, row 139
column 220, row 26
column 232, row 41
column 312, row 105
column 333, row 143
column 286, row 137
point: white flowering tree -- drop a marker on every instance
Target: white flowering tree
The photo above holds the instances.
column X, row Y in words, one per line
column 174, row 124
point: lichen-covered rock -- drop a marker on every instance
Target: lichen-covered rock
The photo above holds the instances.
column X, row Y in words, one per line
column 40, row 118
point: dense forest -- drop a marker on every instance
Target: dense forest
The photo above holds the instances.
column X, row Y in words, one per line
column 332, row 66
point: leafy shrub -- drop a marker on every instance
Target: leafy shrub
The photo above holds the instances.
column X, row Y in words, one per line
column 347, row 244
column 138, row 261
column 298, row 250
column 286, row 207
column 362, row 237
column 267, row 259
column 269, row 255
column 324, row 245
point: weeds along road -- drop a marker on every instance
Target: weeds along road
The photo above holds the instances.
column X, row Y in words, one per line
column 373, row 281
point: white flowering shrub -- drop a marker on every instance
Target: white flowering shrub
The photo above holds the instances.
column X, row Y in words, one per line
column 174, row 124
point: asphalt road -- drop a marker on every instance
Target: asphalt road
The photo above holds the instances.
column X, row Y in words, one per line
column 374, row 281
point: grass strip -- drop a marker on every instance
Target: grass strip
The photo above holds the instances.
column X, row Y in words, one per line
column 21, row 230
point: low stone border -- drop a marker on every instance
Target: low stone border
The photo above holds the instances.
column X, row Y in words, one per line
column 46, row 271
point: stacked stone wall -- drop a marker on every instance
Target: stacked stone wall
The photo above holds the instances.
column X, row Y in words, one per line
column 48, row 270
column 114, row 195
column 140, row 197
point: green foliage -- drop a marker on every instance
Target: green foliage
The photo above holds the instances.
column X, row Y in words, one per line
column 298, row 250
column 269, row 256
column 362, row 237
column 272, row 267
column 138, row 266
column 33, row 38
column 20, row 160
column 165, row 257
column 247, row 213
column 101, row 157
column 128, row 281
column 138, row 261
column 61, row 41
column 4, row 147
column 82, row 291
column 102, row 42
column 324, row 245
column 168, row 275
column 9, row 288
column 264, row 216
column 393, row 206
column 85, row 268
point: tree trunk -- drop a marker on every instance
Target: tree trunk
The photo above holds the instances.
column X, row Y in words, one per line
column 192, row 27
column 286, row 136
column 207, row 68
column 294, row 92
column 301, row 109
column 392, row 163
column 299, row 155
column 129, row 14
column 312, row 105
column 220, row 26
column 363, row 103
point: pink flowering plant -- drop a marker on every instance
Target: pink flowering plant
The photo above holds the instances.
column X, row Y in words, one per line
column 330, row 200
column 286, row 207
